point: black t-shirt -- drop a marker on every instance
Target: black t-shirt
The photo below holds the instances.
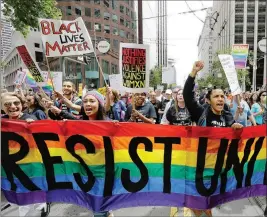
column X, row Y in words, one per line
column 110, row 113
column 214, row 120
column 147, row 110
column 180, row 118
column 157, row 106
column 24, row 117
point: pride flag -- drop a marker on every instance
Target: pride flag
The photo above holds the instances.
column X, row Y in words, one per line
column 107, row 166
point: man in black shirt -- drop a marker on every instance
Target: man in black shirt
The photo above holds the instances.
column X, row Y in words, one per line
column 156, row 103
column 214, row 115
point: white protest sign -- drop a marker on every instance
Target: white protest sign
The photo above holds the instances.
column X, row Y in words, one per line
column 228, row 65
column 65, row 38
column 57, row 81
column 20, row 77
column 45, row 75
column 134, row 67
column 115, row 82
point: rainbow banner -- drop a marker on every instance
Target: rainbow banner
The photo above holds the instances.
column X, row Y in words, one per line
column 107, row 166
column 240, row 55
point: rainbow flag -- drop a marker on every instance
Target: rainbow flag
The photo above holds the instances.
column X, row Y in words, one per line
column 48, row 88
column 107, row 166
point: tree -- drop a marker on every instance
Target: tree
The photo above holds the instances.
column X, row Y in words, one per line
column 214, row 80
column 155, row 76
column 25, row 13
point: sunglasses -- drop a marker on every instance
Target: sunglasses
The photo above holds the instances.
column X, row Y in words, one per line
column 263, row 94
column 9, row 104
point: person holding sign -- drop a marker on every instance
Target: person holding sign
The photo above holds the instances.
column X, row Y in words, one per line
column 140, row 110
column 214, row 115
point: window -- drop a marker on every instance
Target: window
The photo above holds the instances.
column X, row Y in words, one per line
column 122, row 33
column 106, row 3
column 97, row 13
column 122, row 9
column 133, row 25
column 114, row 18
column 107, row 29
column 78, row 67
column 36, row 45
column 122, row 21
column 68, row 10
column 128, row 35
column 115, row 31
column 105, row 66
column 114, row 69
column 132, row 14
column 78, row 11
column 97, row 2
column 116, row 44
column 39, row 56
column 97, row 27
column 108, row 40
column 88, row 12
column 106, row 16
column 127, row 11
column 127, row 24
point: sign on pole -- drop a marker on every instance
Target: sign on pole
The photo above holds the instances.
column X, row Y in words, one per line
column 134, row 67
column 228, row 65
column 20, row 77
column 115, row 82
column 65, row 38
column 30, row 64
column 262, row 45
column 240, row 55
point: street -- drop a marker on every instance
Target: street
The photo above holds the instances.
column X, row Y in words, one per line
column 245, row 207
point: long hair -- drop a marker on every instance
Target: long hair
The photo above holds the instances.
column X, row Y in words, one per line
column 37, row 101
column 101, row 114
column 116, row 95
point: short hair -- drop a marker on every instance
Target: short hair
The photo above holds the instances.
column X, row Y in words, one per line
column 73, row 85
column 8, row 94
column 210, row 92
column 259, row 96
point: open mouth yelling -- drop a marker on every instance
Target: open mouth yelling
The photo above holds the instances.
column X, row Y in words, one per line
column 13, row 112
column 220, row 105
column 88, row 110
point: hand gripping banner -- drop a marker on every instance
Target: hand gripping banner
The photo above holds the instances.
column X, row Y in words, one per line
column 107, row 166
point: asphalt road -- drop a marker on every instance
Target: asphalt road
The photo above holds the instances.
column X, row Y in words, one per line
column 245, row 207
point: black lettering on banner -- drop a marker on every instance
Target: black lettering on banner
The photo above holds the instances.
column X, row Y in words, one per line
column 9, row 160
column 168, row 142
column 49, row 161
column 109, row 167
column 233, row 159
column 90, row 148
column 201, row 155
column 81, row 37
column 252, row 161
column 130, row 186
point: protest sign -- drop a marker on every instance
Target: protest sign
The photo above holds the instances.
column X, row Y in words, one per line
column 228, row 65
column 107, row 166
column 134, row 67
column 57, row 80
column 115, row 82
column 240, row 55
column 20, row 77
column 30, row 64
column 65, row 38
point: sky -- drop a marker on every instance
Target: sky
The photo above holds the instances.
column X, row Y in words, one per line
column 183, row 33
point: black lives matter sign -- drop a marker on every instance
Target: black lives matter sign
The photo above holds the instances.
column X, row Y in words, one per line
column 134, row 67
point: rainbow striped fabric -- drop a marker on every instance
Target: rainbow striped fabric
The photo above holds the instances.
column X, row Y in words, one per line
column 48, row 88
column 107, row 166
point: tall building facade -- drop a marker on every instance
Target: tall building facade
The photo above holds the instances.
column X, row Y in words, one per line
column 162, row 51
column 110, row 20
column 6, row 32
column 241, row 21
column 205, row 45
column 13, row 61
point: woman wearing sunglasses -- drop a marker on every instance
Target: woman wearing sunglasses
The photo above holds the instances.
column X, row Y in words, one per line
column 12, row 106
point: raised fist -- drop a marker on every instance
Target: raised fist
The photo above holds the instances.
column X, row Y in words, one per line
column 198, row 66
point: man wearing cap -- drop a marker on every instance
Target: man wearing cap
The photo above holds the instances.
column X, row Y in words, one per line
column 165, row 101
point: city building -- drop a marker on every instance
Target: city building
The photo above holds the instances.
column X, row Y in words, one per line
column 12, row 60
column 241, row 21
column 6, row 31
column 169, row 75
column 205, row 45
column 162, row 51
column 110, row 20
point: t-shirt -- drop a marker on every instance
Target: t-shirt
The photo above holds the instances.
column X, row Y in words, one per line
column 255, row 108
column 180, row 118
column 147, row 110
column 214, row 120
column 157, row 106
